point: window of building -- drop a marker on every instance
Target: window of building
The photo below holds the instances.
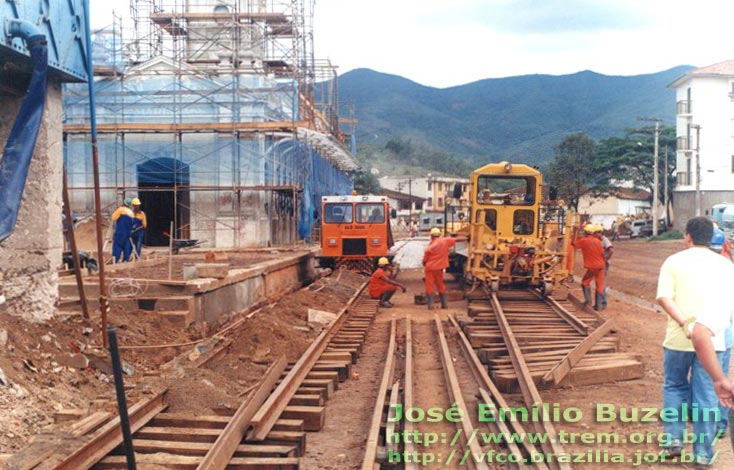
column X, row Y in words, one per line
column 429, row 202
column 440, row 202
column 430, row 186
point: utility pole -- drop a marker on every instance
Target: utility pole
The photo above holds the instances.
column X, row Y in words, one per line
column 656, row 176
column 410, row 201
column 665, row 186
column 698, row 168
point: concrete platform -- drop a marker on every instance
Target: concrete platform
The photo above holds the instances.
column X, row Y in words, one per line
column 196, row 300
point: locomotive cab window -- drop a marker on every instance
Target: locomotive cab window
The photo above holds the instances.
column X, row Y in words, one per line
column 370, row 213
column 506, row 190
column 523, row 222
column 338, row 213
column 490, row 219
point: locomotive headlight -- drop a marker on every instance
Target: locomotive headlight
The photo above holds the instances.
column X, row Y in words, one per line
column 508, row 167
column 375, row 241
column 332, row 241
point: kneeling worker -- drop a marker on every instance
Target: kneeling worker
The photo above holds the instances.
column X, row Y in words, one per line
column 381, row 285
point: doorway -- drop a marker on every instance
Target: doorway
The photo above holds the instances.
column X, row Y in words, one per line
column 163, row 190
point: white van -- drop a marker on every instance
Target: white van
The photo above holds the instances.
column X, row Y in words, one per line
column 637, row 226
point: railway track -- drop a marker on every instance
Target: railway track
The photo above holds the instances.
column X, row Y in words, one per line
column 267, row 432
column 498, row 356
column 514, row 341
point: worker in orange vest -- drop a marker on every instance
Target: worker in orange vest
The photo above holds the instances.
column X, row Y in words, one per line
column 435, row 260
column 594, row 262
column 382, row 286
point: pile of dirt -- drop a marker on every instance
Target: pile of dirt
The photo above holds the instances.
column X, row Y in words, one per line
column 60, row 365
column 283, row 329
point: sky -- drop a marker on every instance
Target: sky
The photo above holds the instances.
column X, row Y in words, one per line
column 444, row 43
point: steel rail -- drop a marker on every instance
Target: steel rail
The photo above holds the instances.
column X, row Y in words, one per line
column 224, row 448
column 110, row 436
column 457, row 399
column 408, row 392
column 493, row 397
column 527, row 386
column 575, row 322
column 268, row 414
column 373, row 437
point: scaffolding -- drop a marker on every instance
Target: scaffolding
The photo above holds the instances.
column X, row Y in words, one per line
column 219, row 109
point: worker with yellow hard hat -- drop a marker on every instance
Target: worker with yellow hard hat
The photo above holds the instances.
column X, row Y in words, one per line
column 593, row 253
column 382, row 286
column 435, row 260
column 140, row 223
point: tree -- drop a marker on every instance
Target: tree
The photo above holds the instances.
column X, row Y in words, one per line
column 367, row 183
column 572, row 171
column 631, row 159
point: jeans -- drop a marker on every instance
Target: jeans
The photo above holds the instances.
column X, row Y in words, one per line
column 137, row 240
column 725, row 360
column 387, row 295
column 699, row 396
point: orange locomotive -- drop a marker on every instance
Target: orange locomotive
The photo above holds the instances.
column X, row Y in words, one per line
column 355, row 232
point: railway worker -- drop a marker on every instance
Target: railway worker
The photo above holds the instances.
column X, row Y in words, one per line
column 593, row 254
column 693, row 289
column 435, row 260
column 720, row 244
column 140, row 223
column 608, row 252
column 122, row 219
column 382, row 286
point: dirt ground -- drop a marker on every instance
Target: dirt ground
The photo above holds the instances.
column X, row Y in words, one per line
column 340, row 444
column 45, row 385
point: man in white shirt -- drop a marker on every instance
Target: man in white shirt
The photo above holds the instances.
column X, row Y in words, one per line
column 693, row 289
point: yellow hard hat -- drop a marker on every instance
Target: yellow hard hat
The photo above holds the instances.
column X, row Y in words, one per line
column 590, row 228
column 136, row 202
column 383, row 261
column 435, row 232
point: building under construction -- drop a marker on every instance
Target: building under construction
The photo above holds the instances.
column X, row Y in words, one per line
column 216, row 114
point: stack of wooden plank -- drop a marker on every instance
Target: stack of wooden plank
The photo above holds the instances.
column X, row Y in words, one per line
column 562, row 342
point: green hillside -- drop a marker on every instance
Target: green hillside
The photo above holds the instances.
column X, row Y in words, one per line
column 518, row 118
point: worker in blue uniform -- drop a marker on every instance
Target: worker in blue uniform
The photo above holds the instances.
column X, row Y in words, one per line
column 140, row 223
column 121, row 243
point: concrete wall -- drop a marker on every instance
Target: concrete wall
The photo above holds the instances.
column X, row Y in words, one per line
column 713, row 109
column 30, row 257
column 685, row 206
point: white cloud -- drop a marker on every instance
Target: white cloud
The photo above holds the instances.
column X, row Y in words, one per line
column 440, row 43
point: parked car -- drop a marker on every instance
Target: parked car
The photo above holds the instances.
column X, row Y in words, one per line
column 644, row 228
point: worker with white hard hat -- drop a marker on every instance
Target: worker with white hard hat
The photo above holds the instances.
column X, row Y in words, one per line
column 122, row 218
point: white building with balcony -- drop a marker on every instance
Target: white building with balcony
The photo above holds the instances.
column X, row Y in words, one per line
column 705, row 132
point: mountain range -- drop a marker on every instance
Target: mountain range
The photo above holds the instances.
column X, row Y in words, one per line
column 520, row 118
